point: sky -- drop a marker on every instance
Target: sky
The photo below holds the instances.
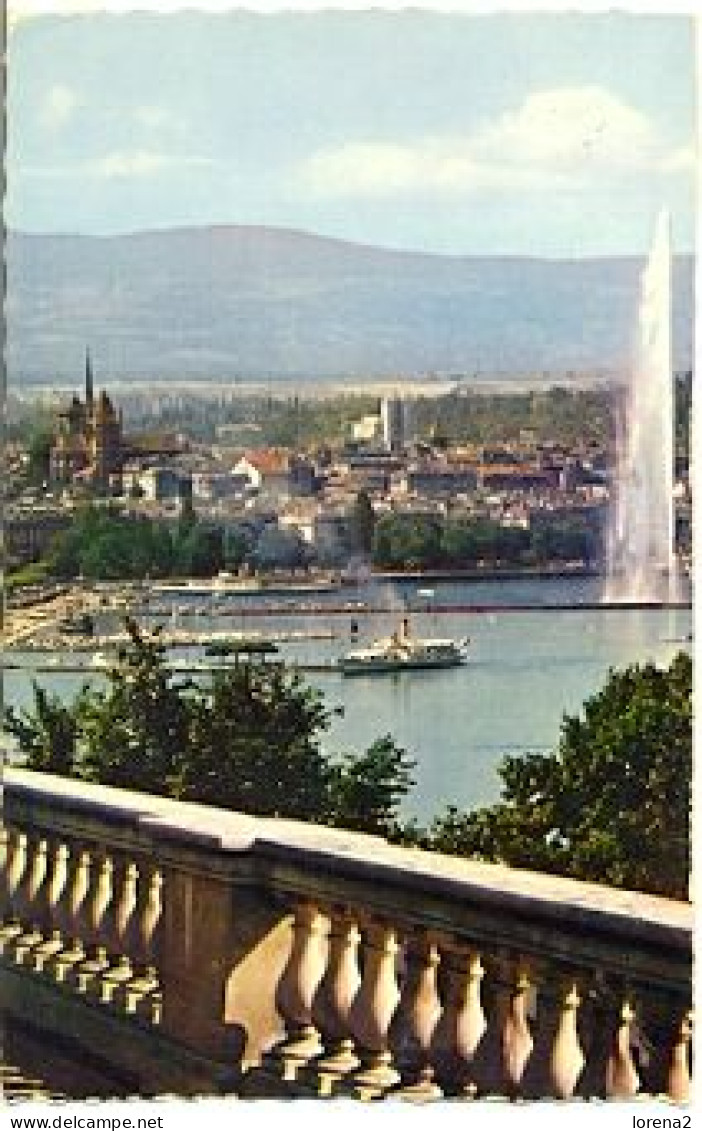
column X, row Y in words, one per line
column 547, row 135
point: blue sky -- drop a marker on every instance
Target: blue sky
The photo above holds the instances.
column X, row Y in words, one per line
column 556, row 134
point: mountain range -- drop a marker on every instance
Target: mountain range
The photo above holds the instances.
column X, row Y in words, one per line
column 232, row 302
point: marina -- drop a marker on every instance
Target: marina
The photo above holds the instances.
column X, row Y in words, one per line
column 538, row 649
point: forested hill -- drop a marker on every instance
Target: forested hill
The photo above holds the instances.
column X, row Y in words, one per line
column 223, row 302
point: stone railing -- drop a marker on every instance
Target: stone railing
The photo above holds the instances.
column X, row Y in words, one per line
column 309, row 961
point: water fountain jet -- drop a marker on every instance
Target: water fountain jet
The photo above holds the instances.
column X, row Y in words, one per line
column 641, row 561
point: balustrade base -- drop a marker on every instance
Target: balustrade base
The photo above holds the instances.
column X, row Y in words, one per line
column 137, row 995
column 291, row 1061
column 138, row 1058
column 113, row 979
column 61, row 967
column 422, row 1090
column 9, row 932
column 24, row 945
column 373, row 1080
column 46, row 953
column 87, row 977
column 329, row 1072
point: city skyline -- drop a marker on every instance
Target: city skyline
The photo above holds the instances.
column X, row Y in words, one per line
column 555, row 135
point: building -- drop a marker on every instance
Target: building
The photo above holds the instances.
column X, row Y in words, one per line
column 366, row 429
column 157, row 483
column 395, row 423
column 277, row 472
column 88, row 445
column 433, row 480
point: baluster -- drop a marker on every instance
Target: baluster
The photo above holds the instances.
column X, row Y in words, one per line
column 372, row 1011
column 517, row 1041
column 88, row 974
column 33, row 886
column 123, row 909
column 140, row 995
column 297, row 988
column 332, row 1004
column 461, row 1027
column 679, row 1079
column 415, row 1020
column 621, row 1078
column 47, row 951
column 567, row 1060
column 14, row 875
column 75, row 912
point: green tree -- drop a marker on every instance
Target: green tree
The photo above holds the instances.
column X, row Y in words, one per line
column 236, row 549
column 612, row 804
column 459, row 544
column 254, row 744
column 39, row 452
column 135, row 734
column 367, row 790
column 407, row 542
column 63, row 554
column 48, row 735
column 249, row 739
column 198, row 550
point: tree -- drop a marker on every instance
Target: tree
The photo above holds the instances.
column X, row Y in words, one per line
column 407, row 542
column 63, row 554
column 236, row 548
column 49, row 736
column 250, row 740
column 39, row 451
column 254, row 744
column 198, row 550
column 103, row 544
column 612, row 804
column 367, row 790
column 135, row 733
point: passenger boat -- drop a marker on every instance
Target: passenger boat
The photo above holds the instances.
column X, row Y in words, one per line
column 402, row 652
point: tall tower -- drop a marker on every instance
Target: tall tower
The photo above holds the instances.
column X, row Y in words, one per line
column 392, row 418
column 89, row 394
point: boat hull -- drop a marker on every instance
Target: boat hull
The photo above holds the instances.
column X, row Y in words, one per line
column 381, row 666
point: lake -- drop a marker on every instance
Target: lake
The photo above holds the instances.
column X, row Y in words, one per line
column 528, row 665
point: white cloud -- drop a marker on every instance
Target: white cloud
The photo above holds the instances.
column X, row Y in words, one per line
column 134, row 164
column 139, row 163
column 58, row 106
column 557, row 137
column 569, row 124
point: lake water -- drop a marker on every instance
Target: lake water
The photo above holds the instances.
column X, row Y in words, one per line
column 528, row 666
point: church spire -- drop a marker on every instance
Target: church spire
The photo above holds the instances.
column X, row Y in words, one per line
column 88, row 381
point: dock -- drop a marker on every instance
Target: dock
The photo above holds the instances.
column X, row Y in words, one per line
column 174, row 638
column 185, row 667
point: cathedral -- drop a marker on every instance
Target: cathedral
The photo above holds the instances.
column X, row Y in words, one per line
column 88, row 445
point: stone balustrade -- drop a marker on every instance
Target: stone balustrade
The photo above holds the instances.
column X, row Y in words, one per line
column 309, row 961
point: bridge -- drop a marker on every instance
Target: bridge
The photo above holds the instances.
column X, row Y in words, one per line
column 155, row 947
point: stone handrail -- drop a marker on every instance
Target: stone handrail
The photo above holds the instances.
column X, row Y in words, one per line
column 314, row 961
